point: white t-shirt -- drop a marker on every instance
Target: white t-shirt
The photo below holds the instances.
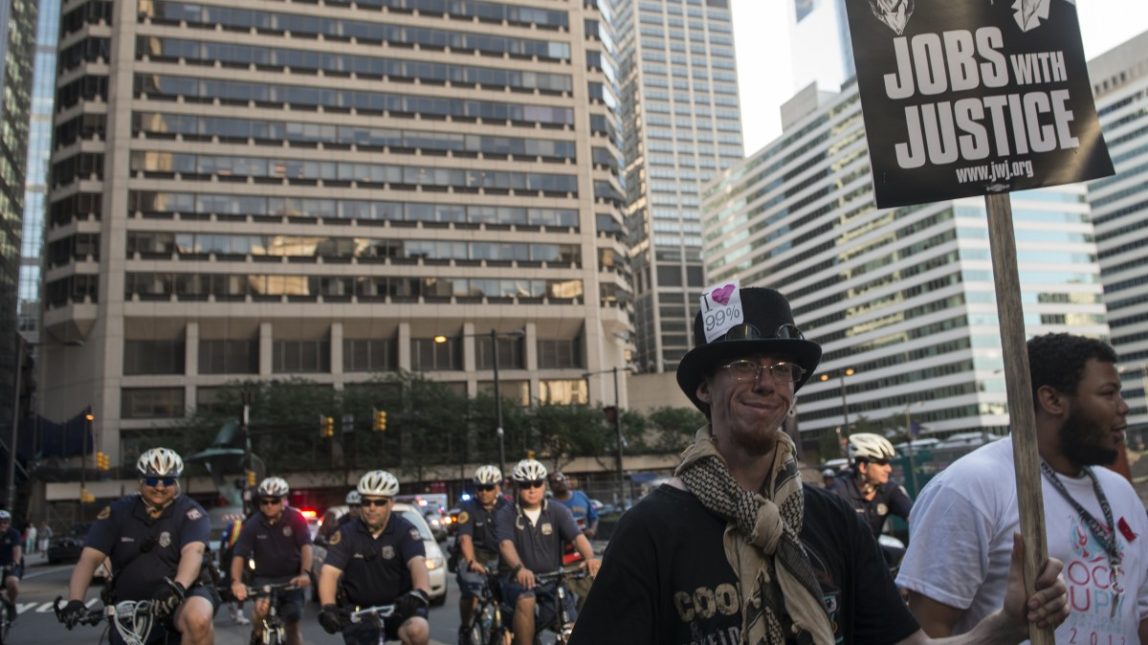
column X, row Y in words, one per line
column 960, row 544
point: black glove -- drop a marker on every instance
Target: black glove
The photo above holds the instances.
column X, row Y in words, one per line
column 167, row 598
column 411, row 601
column 70, row 613
column 330, row 619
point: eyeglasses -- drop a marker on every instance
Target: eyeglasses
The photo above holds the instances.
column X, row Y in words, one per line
column 154, row 481
column 486, row 488
column 747, row 331
column 532, row 484
column 270, row 501
column 375, row 502
column 747, row 370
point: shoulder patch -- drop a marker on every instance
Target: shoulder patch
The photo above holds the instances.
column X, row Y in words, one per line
column 194, row 514
column 463, row 517
column 415, row 535
column 105, row 513
column 336, row 538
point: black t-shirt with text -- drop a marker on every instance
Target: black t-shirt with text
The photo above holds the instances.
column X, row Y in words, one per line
column 665, row 578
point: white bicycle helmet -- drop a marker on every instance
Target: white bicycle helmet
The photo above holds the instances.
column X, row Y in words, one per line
column 5, row 516
column 869, row 447
column 354, row 498
column 488, row 475
column 273, row 487
column 378, row 483
column 529, row 470
column 160, row 462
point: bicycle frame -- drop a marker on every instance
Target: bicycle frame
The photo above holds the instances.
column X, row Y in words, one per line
column 490, row 630
column 563, row 626
column 378, row 615
column 273, row 627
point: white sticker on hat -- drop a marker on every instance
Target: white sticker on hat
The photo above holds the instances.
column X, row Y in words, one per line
column 721, row 309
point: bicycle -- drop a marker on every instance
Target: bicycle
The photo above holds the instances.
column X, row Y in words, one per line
column 377, row 615
column 273, row 630
column 485, row 627
column 563, row 625
column 133, row 620
column 7, row 609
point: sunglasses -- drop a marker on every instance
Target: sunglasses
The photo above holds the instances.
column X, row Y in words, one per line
column 532, row 484
column 270, row 501
column 747, row 331
column 153, row 481
column 375, row 502
column 486, row 488
column 879, row 462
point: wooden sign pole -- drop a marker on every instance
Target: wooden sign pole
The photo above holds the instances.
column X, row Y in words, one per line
column 1010, row 312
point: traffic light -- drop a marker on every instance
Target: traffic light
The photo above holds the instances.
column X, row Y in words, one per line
column 326, row 426
column 251, row 479
column 380, row 420
column 103, row 462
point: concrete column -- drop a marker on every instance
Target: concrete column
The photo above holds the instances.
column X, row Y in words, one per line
column 405, row 346
column 266, row 349
column 191, row 348
column 337, row 348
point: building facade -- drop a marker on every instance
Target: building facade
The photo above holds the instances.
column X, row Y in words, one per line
column 17, row 41
column 1120, row 210
column 901, row 300
column 318, row 189
column 682, row 124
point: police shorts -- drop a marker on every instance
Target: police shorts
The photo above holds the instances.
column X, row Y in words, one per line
column 14, row 570
column 470, row 583
column 290, row 602
column 545, row 603
column 367, row 633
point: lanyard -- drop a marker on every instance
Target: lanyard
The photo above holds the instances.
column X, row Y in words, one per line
column 1107, row 538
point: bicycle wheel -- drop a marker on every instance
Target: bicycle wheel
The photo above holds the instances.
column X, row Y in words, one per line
column 481, row 626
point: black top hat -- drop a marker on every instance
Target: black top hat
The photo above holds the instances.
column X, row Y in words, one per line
column 768, row 329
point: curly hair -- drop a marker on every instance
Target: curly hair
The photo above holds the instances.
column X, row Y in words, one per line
column 1058, row 360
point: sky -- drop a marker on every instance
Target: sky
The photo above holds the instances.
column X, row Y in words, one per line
column 765, row 81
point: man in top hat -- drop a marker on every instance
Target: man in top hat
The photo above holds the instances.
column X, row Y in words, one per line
column 735, row 549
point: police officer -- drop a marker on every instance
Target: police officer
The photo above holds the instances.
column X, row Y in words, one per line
column 530, row 537
column 11, row 560
column 870, row 491
column 156, row 541
column 278, row 540
column 382, row 560
column 354, row 502
column 476, row 542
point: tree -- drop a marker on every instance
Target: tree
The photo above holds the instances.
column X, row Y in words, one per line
column 672, row 429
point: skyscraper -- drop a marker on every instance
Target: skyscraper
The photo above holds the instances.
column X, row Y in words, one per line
column 681, row 124
column 901, row 300
column 17, row 39
column 319, row 189
column 1120, row 209
column 819, row 46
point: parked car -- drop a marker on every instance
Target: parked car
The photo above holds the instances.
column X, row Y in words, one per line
column 436, row 560
column 66, row 548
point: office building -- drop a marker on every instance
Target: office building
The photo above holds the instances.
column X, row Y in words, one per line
column 1120, row 210
column 17, row 40
column 681, row 124
column 820, row 50
column 250, row 190
column 901, row 300
column 35, row 184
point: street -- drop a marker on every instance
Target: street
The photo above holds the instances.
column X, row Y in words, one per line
column 42, row 583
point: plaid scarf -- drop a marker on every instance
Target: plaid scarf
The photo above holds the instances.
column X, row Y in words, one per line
column 776, row 581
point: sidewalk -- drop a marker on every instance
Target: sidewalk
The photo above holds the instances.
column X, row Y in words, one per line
column 35, row 560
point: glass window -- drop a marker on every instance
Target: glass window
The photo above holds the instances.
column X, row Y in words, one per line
column 152, row 403
column 154, row 356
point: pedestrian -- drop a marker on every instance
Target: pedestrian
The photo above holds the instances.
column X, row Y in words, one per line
column 45, row 536
column 1095, row 521
column 735, row 549
column 30, row 542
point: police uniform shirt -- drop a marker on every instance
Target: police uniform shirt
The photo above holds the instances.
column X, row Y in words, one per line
column 145, row 550
column 276, row 548
column 478, row 523
column 375, row 570
column 539, row 546
column 8, row 544
column 888, row 499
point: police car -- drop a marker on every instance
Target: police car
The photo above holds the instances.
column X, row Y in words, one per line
column 436, row 561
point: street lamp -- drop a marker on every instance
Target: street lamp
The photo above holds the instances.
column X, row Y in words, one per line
column 617, row 429
column 909, row 439
column 848, row 371
column 439, row 340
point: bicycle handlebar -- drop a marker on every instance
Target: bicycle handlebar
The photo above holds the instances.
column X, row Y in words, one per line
column 381, row 611
column 89, row 617
column 266, row 591
column 566, row 573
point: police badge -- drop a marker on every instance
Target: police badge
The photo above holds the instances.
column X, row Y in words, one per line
column 547, row 528
column 388, row 552
column 287, row 532
column 165, row 539
column 882, row 509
